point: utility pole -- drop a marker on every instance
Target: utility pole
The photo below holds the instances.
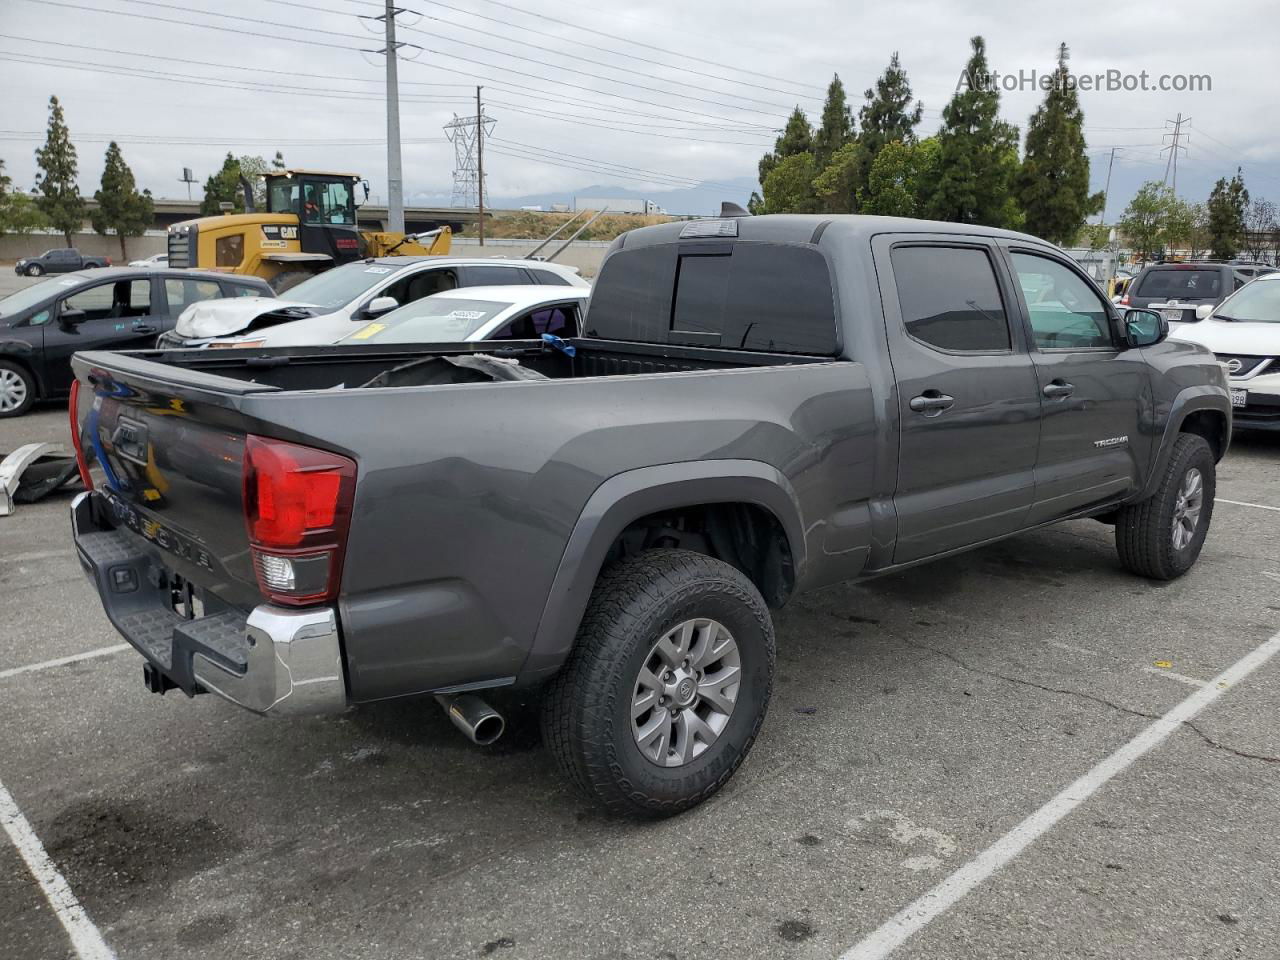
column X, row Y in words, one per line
column 1106, row 191
column 480, row 161
column 395, row 181
column 1171, row 165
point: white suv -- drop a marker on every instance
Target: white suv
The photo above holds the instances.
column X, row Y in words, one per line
column 1243, row 331
column 324, row 308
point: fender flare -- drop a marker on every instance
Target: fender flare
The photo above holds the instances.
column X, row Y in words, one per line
column 626, row 497
column 1188, row 401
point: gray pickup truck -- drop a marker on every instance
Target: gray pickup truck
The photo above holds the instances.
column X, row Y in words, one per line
column 759, row 406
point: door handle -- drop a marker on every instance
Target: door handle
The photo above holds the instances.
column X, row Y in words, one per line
column 143, row 328
column 931, row 403
column 1058, row 390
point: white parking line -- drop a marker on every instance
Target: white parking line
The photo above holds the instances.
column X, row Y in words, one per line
column 85, row 937
column 1180, row 677
column 1243, row 503
column 917, row 915
column 63, row 661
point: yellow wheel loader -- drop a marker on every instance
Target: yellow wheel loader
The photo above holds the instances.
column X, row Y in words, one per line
column 309, row 225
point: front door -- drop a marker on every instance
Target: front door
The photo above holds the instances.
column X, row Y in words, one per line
column 327, row 220
column 1095, row 389
column 113, row 315
column 968, row 403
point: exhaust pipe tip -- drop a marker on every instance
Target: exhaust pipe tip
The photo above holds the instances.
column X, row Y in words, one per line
column 479, row 722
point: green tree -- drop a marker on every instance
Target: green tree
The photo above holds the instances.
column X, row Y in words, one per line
column 1199, row 240
column 789, row 186
column 122, row 210
column 836, row 128
column 1227, row 204
column 18, row 212
column 796, row 138
column 899, row 178
column 1179, row 222
column 59, row 199
column 978, row 153
column 223, row 187
column 277, row 162
column 889, row 115
column 836, row 186
column 1053, row 182
column 1145, row 221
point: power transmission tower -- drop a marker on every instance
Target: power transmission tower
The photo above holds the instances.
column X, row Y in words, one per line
column 395, row 177
column 1174, row 146
column 467, row 135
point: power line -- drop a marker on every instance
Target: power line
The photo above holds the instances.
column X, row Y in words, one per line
column 570, row 156
column 631, row 41
column 587, row 168
column 561, row 118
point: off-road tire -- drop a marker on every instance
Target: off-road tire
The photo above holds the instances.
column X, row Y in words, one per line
column 1143, row 530
column 586, row 710
column 34, row 270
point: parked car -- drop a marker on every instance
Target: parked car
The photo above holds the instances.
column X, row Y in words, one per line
column 759, row 406
column 61, row 260
column 1186, row 292
column 479, row 313
column 323, row 308
column 1244, row 333
column 155, row 260
column 116, row 308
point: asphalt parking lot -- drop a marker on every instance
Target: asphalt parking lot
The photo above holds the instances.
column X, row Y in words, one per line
column 916, row 721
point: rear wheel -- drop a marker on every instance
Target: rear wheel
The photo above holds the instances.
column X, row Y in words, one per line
column 17, row 390
column 667, row 685
column 1161, row 537
column 34, row 270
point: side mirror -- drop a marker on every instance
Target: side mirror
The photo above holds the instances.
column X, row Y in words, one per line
column 1203, row 311
column 1144, row 328
column 379, row 305
column 71, row 317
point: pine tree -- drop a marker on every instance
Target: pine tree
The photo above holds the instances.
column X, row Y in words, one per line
column 837, row 125
column 888, row 114
column 277, row 162
column 1227, row 204
column 223, row 187
column 122, row 210
column 977, row 154
column 796, row 138
column 59, row 199
column 1053, row 182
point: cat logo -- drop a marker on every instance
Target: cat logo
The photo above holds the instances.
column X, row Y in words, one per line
column 289, row 233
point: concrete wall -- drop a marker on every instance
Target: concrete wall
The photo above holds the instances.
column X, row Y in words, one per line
column 583, row 254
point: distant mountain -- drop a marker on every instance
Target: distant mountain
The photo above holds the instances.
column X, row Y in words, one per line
column 703, row 199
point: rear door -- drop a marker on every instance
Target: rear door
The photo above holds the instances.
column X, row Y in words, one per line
column 116, row 316
column 968, row 402
column 1096, row 390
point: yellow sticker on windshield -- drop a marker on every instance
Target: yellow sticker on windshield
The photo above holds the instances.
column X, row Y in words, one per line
column 366, row 332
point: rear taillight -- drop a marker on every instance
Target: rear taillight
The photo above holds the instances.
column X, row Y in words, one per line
column 73, row 411
column 297, row 508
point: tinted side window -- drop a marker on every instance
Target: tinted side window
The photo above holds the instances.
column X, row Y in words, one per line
column 182, row 293
column 487, row 276
column 950, row 298
column 1065, row 311
column 549, row 279
column 554, row 320
column 702, row 289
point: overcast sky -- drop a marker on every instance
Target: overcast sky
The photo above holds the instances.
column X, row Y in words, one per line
column 690, row 92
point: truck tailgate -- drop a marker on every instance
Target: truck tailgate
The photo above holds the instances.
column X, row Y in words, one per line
column 169, row 465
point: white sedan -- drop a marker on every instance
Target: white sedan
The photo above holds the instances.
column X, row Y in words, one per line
column 481, row 313
column 155, row 260
column 327, row 307
column 1243, row 331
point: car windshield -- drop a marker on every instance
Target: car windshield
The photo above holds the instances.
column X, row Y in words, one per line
column 430, row 320
column 29, row 296
column 1180, row 282
column 337, row 287
column 1257, row 302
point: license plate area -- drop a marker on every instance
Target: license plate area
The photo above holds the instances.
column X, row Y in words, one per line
column 184, row 597
column 1172, row 315
column 1239, row 398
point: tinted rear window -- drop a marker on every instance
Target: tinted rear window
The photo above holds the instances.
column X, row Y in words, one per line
column 1176, row 282
column 950, row 299
column 769, row 297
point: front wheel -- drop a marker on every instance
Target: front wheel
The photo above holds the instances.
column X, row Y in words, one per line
column 17, row 390
column 1161, row 537
column 34, row 270
column 667, row 685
